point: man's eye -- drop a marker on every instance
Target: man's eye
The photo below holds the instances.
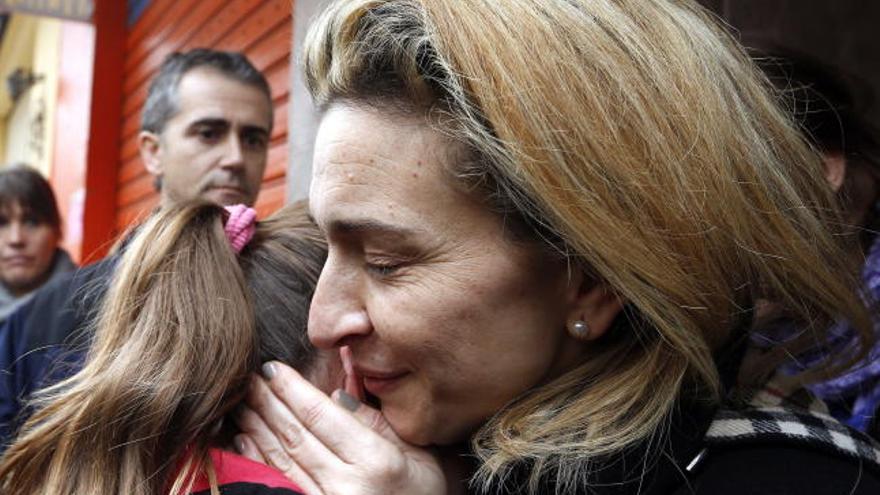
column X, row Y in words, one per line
column 254, row 141
column 209, row 134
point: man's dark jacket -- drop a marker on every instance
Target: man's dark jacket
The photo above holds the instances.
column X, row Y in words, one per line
column 44, row 341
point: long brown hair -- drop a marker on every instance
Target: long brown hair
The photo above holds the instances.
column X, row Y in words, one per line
column 173, row 346
column 636, row 139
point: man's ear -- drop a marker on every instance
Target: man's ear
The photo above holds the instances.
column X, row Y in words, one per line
column 150, row 147
column 594, row 306
column 835, row 169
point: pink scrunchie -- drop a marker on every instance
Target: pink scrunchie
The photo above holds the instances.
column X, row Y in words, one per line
column 240, row 226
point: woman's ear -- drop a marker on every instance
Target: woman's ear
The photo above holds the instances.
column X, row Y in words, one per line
column 835, row 169
column 594, row 307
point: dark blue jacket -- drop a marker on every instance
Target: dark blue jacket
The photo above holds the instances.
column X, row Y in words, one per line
column 44, row 341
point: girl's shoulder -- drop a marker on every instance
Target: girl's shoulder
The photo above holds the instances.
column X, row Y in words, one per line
column 238, row 475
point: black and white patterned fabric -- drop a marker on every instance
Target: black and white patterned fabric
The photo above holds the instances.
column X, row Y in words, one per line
column 775, row 415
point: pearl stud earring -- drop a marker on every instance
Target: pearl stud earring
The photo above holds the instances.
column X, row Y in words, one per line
column 580, row 330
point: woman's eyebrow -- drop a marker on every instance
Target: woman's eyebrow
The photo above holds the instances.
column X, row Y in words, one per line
column 370, row 226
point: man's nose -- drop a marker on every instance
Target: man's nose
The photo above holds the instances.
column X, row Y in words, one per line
column 337, row 313
column 233, row 154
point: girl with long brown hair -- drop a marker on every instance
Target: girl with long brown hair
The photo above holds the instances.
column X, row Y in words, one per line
column 186, row 319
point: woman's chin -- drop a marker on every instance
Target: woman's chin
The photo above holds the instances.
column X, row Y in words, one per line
column 411, row 430
column 424, row 431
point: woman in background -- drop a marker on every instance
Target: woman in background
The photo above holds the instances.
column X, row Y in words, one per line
column 30, row 230
column 828, row 104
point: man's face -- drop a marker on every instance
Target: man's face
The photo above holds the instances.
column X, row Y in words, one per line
column 27, row 246
column 215, row 146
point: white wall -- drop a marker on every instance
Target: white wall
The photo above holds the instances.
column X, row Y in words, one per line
column 18, row 133
column 29, row 122
column 303, row 118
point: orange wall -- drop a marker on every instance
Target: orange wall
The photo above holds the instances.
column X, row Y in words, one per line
column 260, row 29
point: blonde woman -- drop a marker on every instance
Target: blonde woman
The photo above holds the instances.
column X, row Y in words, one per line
column 548, row 224
column 201, row 296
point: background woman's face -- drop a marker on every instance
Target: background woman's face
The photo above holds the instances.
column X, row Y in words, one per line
column 446, row 318
column 27, row 248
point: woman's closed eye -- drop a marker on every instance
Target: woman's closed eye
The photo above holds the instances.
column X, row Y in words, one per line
column 384, row 266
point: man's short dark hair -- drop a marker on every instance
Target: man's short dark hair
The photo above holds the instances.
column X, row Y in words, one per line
column 161, row 104
column 25, row 186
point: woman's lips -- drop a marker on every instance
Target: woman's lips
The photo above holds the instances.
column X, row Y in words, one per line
column 17, row 260
column 379, row 383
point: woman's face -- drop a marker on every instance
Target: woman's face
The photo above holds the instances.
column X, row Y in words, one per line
column 447, row 319
column 27, row 249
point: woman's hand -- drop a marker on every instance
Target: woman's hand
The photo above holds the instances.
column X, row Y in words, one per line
column 329, row 447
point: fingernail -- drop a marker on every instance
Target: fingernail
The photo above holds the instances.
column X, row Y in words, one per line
column 268, row 370
column 238, row 443
column 347, row 401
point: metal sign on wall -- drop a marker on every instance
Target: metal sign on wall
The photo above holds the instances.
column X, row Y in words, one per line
column 78, row 10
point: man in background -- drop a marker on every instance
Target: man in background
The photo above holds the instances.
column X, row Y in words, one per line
column 205, row 128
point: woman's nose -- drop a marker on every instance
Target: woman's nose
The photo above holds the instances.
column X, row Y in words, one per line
column 14, row 233
column 337, row 313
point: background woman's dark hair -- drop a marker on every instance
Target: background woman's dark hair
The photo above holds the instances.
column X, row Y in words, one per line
column 31, row 191
column 828, row 104
column 826, row 101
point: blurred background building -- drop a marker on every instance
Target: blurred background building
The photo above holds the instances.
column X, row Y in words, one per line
column 75, row 75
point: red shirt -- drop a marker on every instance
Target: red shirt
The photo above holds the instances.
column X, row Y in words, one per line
column 238, row 475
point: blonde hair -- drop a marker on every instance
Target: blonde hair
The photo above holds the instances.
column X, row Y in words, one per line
column 637, row 139
column 173, row 346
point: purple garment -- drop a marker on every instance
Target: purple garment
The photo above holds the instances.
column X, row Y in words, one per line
column 861, row 384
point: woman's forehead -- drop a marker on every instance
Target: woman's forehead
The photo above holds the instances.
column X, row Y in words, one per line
column 384, row 153
column 376, row 177
column 10, row 207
